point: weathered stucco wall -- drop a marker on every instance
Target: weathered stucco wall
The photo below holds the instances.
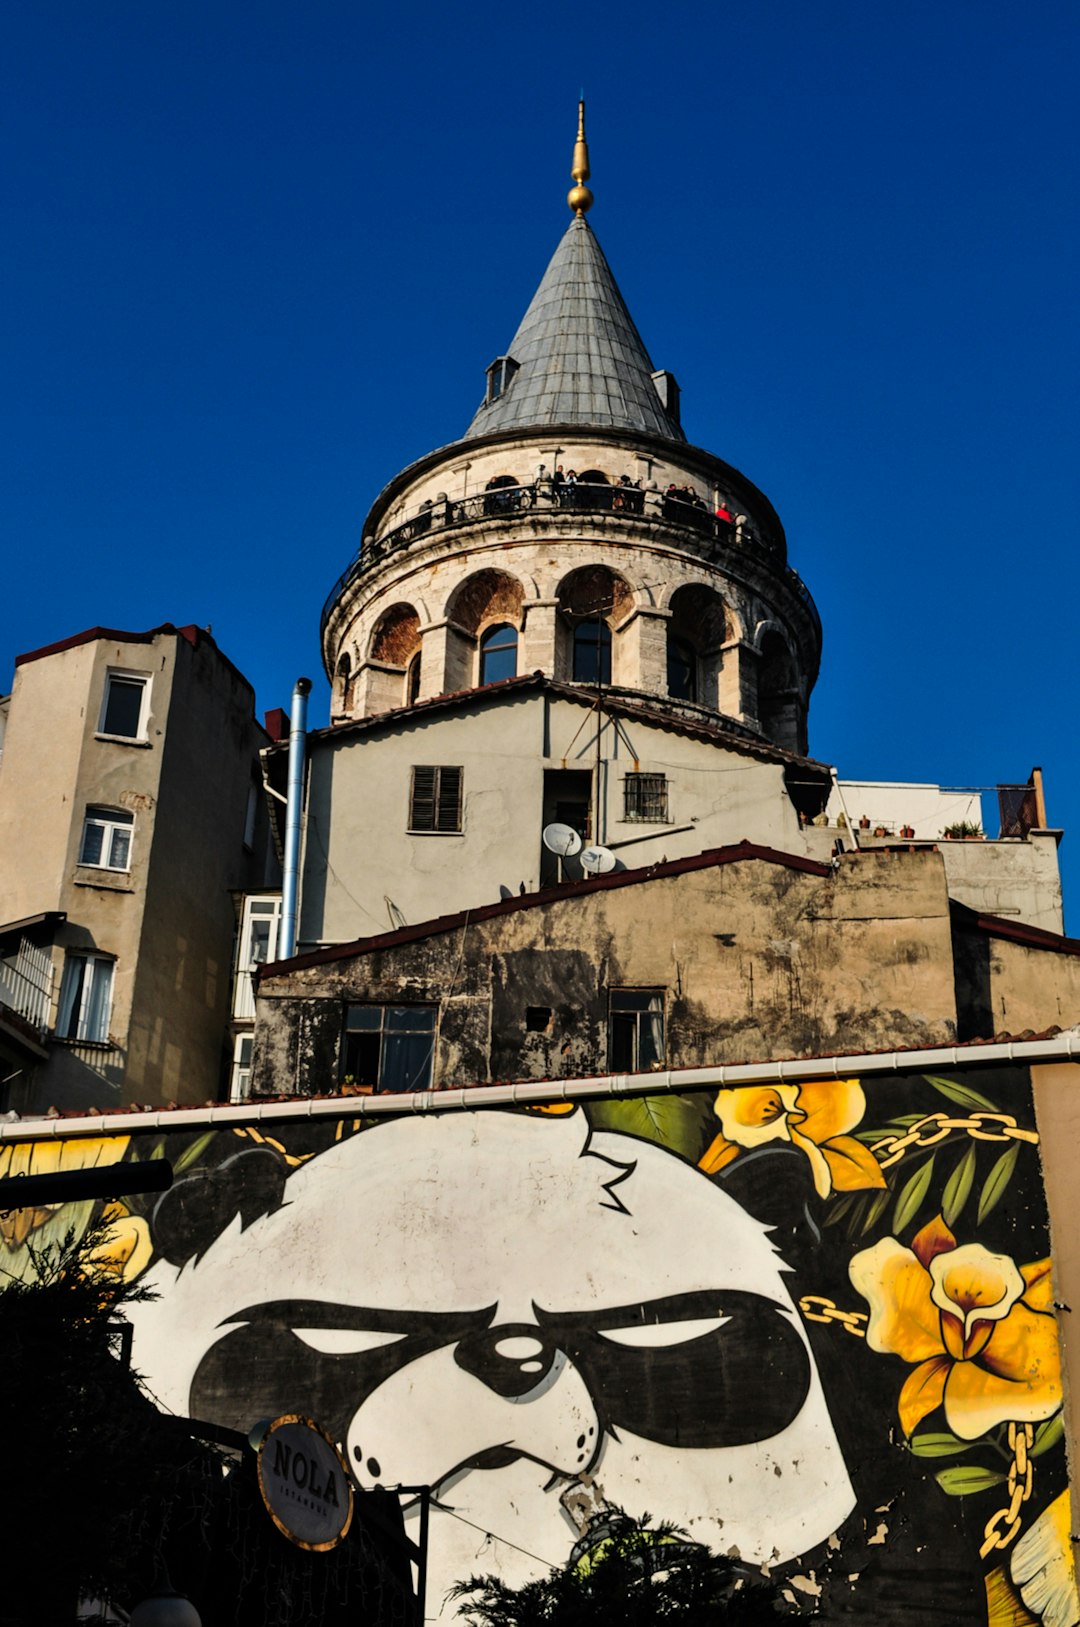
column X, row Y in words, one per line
column 167, row 920
column 810, row 1322
column 754, row 959
column 359, row 853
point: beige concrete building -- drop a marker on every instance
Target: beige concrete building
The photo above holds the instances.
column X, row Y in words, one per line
column 131, row 821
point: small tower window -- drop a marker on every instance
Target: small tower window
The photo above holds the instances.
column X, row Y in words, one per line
column 592, row 652
column 681, row 670
column 499, row 375
column 498, row 653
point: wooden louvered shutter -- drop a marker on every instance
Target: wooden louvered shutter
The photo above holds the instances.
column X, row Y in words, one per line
column 436, row 799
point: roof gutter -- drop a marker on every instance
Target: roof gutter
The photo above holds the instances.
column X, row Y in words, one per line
column 1062, row 1047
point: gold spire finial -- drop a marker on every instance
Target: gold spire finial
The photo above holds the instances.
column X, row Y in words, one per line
column 579, row 197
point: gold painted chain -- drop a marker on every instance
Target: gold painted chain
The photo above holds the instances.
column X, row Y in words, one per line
column 935, row 1127
column 1003, row 1526
column 817, row 1308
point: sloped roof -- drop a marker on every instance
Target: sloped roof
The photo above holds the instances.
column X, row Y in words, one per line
column 581, row 360
column 713, row 858
column 723, row 730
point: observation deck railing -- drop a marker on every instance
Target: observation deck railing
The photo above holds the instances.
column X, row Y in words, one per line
column 547, row 498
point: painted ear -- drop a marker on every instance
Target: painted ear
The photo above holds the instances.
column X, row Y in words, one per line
column 194, row 1213
column 775, row 1184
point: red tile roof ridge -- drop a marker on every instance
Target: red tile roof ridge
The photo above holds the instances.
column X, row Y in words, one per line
column 710, row 859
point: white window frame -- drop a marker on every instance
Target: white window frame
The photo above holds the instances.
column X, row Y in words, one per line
column 111, row 821
column 266, row 909
column 123, row 675
column 240, row 1081
column 88, row 980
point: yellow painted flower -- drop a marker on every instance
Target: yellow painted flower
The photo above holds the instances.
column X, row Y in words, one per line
column 23, row 1231
column 978, row 1329
column 816, row 1116
column 125, row 1247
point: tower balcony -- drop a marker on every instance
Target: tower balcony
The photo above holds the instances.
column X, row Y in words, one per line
column 714, row 535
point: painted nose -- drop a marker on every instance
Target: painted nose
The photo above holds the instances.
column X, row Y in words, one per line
column 511, row 1360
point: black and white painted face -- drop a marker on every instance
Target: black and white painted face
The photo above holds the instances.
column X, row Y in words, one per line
column 498, row 1305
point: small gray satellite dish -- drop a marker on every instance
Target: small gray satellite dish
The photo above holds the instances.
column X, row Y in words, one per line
column 598, row 860
column 562, row 839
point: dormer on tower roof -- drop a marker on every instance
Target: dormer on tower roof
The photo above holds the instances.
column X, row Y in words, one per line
column 577, row 358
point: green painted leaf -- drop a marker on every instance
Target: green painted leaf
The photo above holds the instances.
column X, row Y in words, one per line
column 913, row 1194
column 1048, row 1435
column 875, row 1210
column 967, row 1478
column 675, row 1122
column 839, row 1207
column 962, row 1095
column 938, row 1445
column 958, row 1188
column 998, row 1179
column 196, row 1150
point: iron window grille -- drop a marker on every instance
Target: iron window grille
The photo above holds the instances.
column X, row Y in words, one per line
column 645, row 799
column 435, row 800
column 388, row 1047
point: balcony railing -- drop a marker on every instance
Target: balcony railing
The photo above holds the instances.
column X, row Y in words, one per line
column 26, row 984
column 581, row 497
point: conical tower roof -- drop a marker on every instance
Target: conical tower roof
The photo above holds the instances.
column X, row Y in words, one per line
column 580, row 359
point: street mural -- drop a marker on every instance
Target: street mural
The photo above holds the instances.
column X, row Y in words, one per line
column 810, row 1323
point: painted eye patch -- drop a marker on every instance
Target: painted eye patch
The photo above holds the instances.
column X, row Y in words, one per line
column 703, row 1370
column 317, row 1358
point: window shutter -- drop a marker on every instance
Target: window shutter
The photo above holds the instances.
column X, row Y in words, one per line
column 422, row 808
column 436, row 799
column 448, row 811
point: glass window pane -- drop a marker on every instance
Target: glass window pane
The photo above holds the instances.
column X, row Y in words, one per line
column 592, row 652
column 123, row 707
column 96, row 1022
column 364, row 1017
column 406, row 1061
column 651, row 1034
column 631, row 1000
column 93, row 837
column 498, row 654
column 411, row 1019
column 119, row 849
column 71, row 990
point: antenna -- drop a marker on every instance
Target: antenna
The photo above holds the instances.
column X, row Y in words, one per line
column 598, row 860
column 562, row 839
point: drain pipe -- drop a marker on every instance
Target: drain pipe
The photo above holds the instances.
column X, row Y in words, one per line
column 290, row 892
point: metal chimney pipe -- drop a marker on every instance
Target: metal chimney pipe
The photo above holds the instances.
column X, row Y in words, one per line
column 290, row 880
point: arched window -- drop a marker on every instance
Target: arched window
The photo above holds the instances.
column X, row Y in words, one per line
column 412, row 680
column 681, row 670
column 592, row 652
column 498, row 653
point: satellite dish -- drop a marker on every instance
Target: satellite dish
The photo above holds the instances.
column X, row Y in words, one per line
column 598, row 860
column 562, row 839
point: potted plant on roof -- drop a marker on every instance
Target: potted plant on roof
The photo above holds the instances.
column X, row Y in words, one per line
column 964, row 830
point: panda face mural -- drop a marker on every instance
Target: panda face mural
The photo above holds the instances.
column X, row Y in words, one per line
column 507, row 1308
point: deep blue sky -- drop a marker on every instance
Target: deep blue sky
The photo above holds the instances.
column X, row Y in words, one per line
column 258, row 255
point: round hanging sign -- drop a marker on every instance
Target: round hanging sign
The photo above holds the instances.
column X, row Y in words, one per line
column 305, row 1484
